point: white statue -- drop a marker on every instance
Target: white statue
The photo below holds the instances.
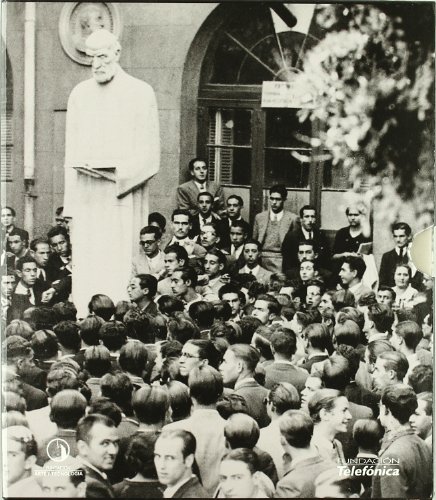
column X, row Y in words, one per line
column 112, row 149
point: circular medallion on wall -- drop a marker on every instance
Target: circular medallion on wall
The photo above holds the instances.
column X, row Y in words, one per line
column 79, row 19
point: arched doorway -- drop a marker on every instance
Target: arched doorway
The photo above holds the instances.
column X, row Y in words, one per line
column 250, row 147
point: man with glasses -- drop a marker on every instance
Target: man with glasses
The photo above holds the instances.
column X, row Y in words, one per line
column 150, row 259
column 271, row 227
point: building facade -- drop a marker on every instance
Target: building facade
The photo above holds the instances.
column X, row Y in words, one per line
column 206, row 62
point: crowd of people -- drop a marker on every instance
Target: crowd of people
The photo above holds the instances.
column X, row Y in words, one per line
column 249, row 361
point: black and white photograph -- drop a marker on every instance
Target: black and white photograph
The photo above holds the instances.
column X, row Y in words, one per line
column 211, row 285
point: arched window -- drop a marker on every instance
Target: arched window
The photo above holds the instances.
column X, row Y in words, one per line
column 250, row 147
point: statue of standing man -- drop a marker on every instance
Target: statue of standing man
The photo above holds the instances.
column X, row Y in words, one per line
column 112, row 150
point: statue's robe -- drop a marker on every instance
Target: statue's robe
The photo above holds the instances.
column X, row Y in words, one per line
column 109, row 126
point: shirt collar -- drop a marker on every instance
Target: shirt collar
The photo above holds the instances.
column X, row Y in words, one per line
column 242, row 382
column 306, row 233
column 85, row 462
column 277, row 217
column 200, row 186
column 169, row 492
column 253, row 271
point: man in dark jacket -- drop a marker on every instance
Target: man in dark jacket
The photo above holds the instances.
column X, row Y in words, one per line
column 408, row 455
column 97, row 443
column 174, row 457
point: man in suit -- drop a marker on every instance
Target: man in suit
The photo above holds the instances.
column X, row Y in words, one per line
column 234, row 206
column 267, row 309
column 187, row 193
column 69, row 485
column 8, row 215
column 28, row 292
column 271, row 227
column 296, row 429
column 214, row 267
column 251, row 254
column 19, row 360
column 181, row 223
column 411, row 453
column 150, row 259
column 59, row 265
column 239, row 232
column 238, row 368
column 400, row 254
column 18, row 247
column 306, row 230
column 205, row 423
column 351, row 274
column 97, row 444
column 205, row 215
column 174, row 453
column 283, row 347
column 318, row 340
column 142, row 290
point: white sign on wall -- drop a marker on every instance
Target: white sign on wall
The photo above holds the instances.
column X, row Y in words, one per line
column 285, row 95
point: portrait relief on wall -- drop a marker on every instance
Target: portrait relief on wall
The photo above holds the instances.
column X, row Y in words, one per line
column 79, row 19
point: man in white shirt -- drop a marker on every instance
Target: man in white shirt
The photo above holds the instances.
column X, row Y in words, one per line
column 205, row 214
column 214, row 266
column 174, row 453
column 175, row 256
column 150, row 259
column 251, row 254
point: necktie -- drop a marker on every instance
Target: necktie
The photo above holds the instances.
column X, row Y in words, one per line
column 202, row 188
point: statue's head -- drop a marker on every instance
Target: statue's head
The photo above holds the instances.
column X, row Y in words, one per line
column 105, row 49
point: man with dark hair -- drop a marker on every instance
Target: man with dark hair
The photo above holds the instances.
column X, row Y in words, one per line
column 351, row 274
column 114, row 336
column 175, row 256
column 408, row 455
column 8, row 215
column 421, row 421
column 209, row 236
column 251, row 254
column 150, row 259
column 28, row 292
column 283, row 346
column 267, row 309
column 307, row 230
column 187, row 193
column 18, row 247
column 183, row 283
column 238, row 233
column 271, row 227
column 296, row 429
column 205, row 388
column 158, row 220
column 205, row 215
column 234, row 205
column 60, row 259
column 385, row 296
column 196, row 353
column 181, row 224
column 97, row 443
column 67, row 333
column 238, row 368
column 69, row 485
column 142, row 290
column 231, row 294
column 174, row 454
column 18, row 356
column 421, row 379
column 401, row 233
column 67, row 407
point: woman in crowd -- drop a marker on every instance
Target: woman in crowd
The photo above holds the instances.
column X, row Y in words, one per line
column 405, row 293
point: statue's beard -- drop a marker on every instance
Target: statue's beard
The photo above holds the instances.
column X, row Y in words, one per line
column 104, row 76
